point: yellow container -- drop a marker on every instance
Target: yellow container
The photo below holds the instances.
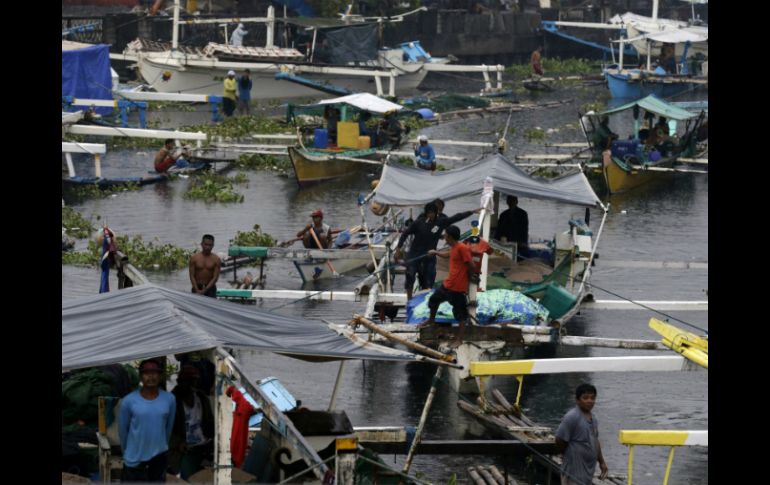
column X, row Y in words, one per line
column 347, row 134
column 364, row 142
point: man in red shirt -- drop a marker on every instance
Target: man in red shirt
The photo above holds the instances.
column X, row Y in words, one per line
column 455, row 286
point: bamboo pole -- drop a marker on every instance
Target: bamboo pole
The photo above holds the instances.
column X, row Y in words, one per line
column 423, row 418
column 412, row 345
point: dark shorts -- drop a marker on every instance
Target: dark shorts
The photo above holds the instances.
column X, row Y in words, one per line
column 152, row 470
column 455, row 298
column 212, row 292
column 228, row 106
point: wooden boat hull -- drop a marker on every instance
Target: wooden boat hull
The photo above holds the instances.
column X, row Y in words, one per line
column 621, row 179
column 311, row 169
column 318, row 269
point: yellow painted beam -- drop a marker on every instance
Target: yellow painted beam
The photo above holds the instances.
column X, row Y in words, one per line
column 502, row 368
column 687, row 344
column 653, row 437
column 346, row 443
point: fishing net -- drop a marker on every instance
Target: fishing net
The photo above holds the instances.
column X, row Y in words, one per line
column 494, row 306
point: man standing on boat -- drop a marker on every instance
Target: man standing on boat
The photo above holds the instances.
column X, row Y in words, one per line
column 427, row 231
column 578, row 438
column 145, row 423
column 204, row 269
column 236, row 39
column 455, row 286
column 316, row 233
column 424, row 155
column 513, row 225
column 165, row 157
column 244, row 93
column 229, row 96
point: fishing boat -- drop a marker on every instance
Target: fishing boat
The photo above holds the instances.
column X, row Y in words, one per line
column 543, row 286
column 323, row 160
column 631, row 163
column 643, row 36
column 180, row 322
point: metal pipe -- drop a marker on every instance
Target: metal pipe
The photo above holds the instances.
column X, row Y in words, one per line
column 175, row 30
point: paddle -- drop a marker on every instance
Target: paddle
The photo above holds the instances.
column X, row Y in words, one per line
column 328, row 263
column 292, row 241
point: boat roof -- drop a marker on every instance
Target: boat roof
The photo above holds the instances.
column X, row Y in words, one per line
column 679, row 36
column 365, row 102
column 402, row 185
column 653, row 105
column 149, row 321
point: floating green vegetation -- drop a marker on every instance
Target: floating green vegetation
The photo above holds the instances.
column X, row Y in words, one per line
column 253, row 238
column 535, row 134
column 240, row 126
column 596, row 106
column 93, row 191
column 142, row 255
column 554, row 67
column 75, row 224
column 212, row 187
column 413, row 124
column 170, row 106
column 546, row 172
column 256, row 161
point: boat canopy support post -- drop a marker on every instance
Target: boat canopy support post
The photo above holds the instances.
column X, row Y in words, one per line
column 392, row 84
column 587, row 270
column 270, row 41
column 620, row 56
column 312, row 47
column 336, row 385
column 97, row 165
column 70, row 166
column 378, row 85
column 224, row 425
column 175, row 30
column 279, row 421
column 345, row 460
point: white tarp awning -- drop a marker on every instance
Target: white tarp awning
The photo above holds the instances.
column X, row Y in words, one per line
column 365, row 101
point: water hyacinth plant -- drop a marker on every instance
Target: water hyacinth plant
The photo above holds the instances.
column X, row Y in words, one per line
column 150, row 255
column 211, row 187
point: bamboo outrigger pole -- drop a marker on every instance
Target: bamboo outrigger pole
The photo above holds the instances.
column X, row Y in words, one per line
column 358, row 319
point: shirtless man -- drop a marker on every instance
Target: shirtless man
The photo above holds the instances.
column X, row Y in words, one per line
column 204, row 269
column 165, row 158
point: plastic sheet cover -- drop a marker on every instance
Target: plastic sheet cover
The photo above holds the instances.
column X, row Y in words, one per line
column 149, row 321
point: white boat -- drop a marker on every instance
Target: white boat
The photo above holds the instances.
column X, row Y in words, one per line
column 171, row 68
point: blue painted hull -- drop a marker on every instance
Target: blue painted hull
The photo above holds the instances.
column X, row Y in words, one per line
column 621, row 87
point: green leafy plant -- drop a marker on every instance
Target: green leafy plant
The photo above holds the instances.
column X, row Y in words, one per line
column 535, row 134
column 211, row 187
column 256, row 161
column 75, row 224
column 82, row 192
column 254, row 237
column 140, row 254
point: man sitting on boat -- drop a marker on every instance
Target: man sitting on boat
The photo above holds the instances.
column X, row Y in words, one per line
column 424, row 155
column 659, row 137
column 165, row 158
column 513, row 225
column 390, row 130
column 316, row 235
column 537, row 67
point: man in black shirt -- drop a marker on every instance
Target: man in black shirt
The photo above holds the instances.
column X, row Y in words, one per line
column 427, row 230
column 513, row 224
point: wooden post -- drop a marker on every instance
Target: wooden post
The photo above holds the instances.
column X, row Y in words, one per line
column 412, row 345
column 423, row 418
column 70, row 166
column 224, row 425
column 345, row 461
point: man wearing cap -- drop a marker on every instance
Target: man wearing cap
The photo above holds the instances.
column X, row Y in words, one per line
column 236, row 39
column 455, row 286
column 144, row 424
column 229, row 96
column 322, row 232
column 193, row 434
column 424, row 155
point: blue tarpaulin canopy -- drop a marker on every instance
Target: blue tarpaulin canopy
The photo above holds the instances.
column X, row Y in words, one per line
column 85, row 72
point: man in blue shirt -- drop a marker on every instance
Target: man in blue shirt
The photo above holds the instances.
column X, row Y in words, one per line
column 424, row 155
column 244, row 93
column 145, row 423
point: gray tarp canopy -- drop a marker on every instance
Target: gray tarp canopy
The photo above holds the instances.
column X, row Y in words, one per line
column 401, row 185
column 148, row 321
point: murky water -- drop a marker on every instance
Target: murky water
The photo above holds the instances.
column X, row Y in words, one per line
column 664, row 221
